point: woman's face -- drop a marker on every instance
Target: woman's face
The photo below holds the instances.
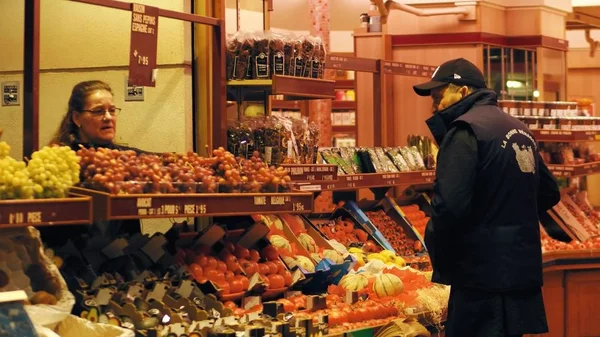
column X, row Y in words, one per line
column 98, row 121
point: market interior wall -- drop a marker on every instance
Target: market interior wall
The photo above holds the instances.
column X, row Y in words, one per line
column 82, row 42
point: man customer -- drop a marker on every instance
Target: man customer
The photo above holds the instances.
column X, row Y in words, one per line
column 491, row 184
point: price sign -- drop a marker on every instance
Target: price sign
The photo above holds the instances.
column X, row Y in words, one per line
column 142, row 50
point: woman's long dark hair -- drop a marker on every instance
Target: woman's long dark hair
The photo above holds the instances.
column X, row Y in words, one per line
column 68, row 133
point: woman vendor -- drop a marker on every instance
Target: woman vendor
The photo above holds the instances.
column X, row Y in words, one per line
column 91, row 121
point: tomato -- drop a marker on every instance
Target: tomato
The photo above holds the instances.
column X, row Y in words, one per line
column 214, row 275
column 265, row 280
column 287, row 277
column 337, row 317
column 233, row 265
column 230, row 304
column 263, row 268
column 224, row 287
column 221, row 266
column 276, row 281
column 270, row 253
column 239, row 312
column 201, row 260
column 241, row 252
column 273, row 268
column 211, row 263
column 288, row 306
column 196, row 270
column 202, row 280
column 280, row 266
column 228, row 275
column 332, row 300
column 250, row 267
column 236, row 286
column 244, row 280
column 364, row 314
column 254, row 255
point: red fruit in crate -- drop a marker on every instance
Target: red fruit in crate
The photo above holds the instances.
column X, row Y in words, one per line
column 202, row 280
column 263, row 269
column 272, row 267
column 211, row 263
column 196, row 270
column 276, row 281
column 224, row 287
column 288, row 306
column 287, row 277
column 236, row 286
column 370, row 246
column 244, row 280
column 214, row 275
column 361, row 235
column 270, row 253
column 250, row 267
column 201, row 260
column 239, row 312
column 221, row 266
column 241, row 252
column 280, row 266
column 228, row 275
column 254, row 255
column 265, row 280
column 230, row 304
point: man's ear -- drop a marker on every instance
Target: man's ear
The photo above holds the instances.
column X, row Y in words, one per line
column 464, row 91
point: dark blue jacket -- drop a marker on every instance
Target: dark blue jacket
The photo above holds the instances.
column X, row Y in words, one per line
column 491, row 184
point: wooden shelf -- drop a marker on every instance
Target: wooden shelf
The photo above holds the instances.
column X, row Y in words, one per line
column 371, row 180
column 75, row 210
column 293, row 87
column 344, row 84
column 140, row 206
column 352, row 63
column 408, row 69
column 344, row 129
column 278, row 104
column 565, row 135
column 312, row 172
column 575, row 170
column 343, row 105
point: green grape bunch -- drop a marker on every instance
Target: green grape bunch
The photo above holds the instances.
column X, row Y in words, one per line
column 55, row 169
column 15, row 182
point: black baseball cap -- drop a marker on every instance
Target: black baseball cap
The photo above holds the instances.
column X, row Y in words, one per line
column 458, row 71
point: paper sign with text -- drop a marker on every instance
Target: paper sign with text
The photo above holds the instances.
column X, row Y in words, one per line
column 143, row 47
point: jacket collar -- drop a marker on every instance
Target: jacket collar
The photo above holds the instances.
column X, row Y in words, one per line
column 439, row 123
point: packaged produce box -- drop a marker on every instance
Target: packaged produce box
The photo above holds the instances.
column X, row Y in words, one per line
column 386, row 218
column 338, row 261
column 308, row 274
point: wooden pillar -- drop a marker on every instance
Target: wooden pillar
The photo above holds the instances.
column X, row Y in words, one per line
column 31, row 77
column 320, row 110
column 209, row 77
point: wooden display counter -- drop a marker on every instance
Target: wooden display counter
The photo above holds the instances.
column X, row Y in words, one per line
column 572, row 293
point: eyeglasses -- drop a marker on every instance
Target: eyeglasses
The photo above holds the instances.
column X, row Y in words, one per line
column 101, row 112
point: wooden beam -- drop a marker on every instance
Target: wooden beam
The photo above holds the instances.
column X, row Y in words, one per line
column 31, row 77
column 205, row 20
column 578, row 17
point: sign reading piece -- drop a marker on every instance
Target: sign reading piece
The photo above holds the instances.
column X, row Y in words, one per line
column 144, row 41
